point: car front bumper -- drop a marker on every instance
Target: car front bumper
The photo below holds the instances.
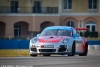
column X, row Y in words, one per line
column 60, row 50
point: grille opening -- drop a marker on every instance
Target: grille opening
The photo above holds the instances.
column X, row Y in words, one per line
column 47, row 50
column 63, row 45
column 62, row 48
column 34, row 49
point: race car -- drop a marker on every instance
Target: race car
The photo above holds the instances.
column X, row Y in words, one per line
column 58, row 40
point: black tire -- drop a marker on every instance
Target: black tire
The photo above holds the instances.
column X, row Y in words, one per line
column 73, row 50
column 33, row 55
column 46, row 54
column 85, row 52
column 62, row 54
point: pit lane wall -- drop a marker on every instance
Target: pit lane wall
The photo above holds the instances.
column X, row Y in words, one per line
column 24, row 44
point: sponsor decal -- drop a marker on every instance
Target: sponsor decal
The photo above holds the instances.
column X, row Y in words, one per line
column 47, row 46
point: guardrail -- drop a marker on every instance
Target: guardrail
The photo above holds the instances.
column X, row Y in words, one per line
column 24, row 44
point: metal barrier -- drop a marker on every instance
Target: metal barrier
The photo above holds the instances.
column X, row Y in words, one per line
column 94, row 42
column 14, row 44
column 24, row 44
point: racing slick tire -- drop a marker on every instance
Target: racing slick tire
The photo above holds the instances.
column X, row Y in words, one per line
column 33, row 55
column 46, row 54
column 85, row 52
column 73, row 50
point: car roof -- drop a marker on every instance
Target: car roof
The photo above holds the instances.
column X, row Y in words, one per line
column 59, row 27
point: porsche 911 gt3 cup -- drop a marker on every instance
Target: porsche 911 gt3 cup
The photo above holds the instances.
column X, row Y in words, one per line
column 58, row 40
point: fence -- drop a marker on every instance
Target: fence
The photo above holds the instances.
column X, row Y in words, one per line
column 24, row 44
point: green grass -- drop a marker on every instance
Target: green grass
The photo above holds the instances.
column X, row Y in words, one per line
column 93, row 38
column 14, row 53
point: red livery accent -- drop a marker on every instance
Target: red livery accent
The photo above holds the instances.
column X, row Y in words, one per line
column 83, row 48
column 49, row 39
column 84, row 43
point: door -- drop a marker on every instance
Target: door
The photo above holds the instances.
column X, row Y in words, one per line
column 88, row 26
column 78, row 41
column 92, row 27
column 14, row 6
column 17, row 31
column 37, row 7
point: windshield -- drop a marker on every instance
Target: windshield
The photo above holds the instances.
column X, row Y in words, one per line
column 56, row 32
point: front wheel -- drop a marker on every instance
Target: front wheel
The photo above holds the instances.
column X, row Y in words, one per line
column 33, row 55
column 46, row 54
column 73, row 50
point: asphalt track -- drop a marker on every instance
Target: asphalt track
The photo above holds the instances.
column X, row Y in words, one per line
column 92, row 60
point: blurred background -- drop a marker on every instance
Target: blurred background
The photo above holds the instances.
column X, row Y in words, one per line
column 24, row 19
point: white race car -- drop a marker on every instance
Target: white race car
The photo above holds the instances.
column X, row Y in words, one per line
column 58, row 40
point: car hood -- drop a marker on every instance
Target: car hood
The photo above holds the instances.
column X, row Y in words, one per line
column 53, row 39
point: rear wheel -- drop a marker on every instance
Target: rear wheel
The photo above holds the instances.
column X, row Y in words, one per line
column 85, row 52
column 73, row 50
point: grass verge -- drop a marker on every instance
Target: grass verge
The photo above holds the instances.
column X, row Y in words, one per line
column 14, row 53
column 93, row 38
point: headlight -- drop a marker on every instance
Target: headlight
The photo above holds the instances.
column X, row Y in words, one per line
column 34, row 40
column 65, row 41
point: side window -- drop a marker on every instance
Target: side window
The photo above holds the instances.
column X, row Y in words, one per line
column 78, row 32
column 74, row 31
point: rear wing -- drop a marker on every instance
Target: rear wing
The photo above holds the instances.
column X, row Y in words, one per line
column 82, row 28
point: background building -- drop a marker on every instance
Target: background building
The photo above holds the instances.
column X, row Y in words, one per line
column 21, row 18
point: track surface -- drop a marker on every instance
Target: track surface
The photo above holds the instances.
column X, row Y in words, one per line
column 92, row 60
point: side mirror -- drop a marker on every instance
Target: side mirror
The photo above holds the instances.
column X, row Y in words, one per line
column 76, row 35
column 38, row 35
